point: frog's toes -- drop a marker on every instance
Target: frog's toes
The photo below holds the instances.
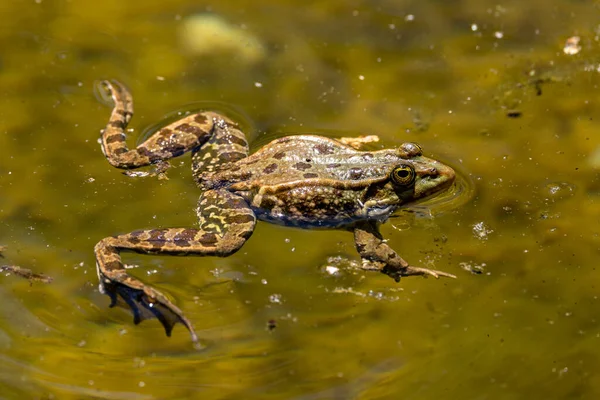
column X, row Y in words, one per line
column 396, row 274
column 103, row 90
column 146, row 303
column 428, row 272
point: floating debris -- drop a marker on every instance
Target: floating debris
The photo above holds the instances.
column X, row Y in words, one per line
column 339, row 265
column 481, row 231
column 558, row 190
column 475, row 269
column 572, row 46
column 207, row 34
column 275, row 298
column 370, row 293
column 23, row 272
column 26, row 273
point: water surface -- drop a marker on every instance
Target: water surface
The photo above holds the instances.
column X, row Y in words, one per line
column 483, row 86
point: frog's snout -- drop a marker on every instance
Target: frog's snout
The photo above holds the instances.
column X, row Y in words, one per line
column 445, row 174
column 434, row 179
column 440, row 172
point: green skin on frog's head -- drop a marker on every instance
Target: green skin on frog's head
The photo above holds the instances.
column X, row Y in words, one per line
column 411, row 180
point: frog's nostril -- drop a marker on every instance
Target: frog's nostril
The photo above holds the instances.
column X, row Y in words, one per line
column 432, row 172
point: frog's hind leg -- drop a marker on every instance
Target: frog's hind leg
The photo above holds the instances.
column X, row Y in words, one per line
column 378, row 256
column 226, row 222
column 171, row 141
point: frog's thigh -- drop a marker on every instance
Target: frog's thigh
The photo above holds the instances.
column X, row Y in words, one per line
column 225, row 220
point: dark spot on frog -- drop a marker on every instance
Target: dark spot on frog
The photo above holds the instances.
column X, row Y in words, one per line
column 136, row 234
column 323, row 148
column 231, row 156
column 239, row 219
column 117, row 124
column 115, row 138
column 302, row 166
column 269, row 169
column 367, row 156
column 310, row 175
column 187, row 128
column 119, row 151
column 231, row 139
column 208, row 239
column 164, row 133
column 156, row 238
column 124, row 113
column 112, row 265
column 355, row 173
column 144, row 151
column 279, row 155
column 133, row 240
column 186, row 236
column 334, row 165
column 200, row 119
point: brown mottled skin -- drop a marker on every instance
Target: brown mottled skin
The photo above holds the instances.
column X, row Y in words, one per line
column 304, row 181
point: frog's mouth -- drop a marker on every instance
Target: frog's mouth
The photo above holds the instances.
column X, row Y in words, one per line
column 435, row 188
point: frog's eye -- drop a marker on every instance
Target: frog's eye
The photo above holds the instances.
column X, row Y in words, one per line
column 403, row 175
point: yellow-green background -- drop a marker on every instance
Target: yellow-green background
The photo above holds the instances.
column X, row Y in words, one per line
column 528, row 327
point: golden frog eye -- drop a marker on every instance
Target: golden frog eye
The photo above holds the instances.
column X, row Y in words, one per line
column 403, row 175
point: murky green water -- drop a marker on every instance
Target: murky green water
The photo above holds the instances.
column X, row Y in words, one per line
column 482, row 85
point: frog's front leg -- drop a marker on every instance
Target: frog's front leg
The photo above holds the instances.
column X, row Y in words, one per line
column 181, row 136
column 377, row 255
column 226, row 222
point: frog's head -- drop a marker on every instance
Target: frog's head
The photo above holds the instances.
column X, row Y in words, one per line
column 410, row 177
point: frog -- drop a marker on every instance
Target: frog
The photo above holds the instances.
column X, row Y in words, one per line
column 304, row 181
